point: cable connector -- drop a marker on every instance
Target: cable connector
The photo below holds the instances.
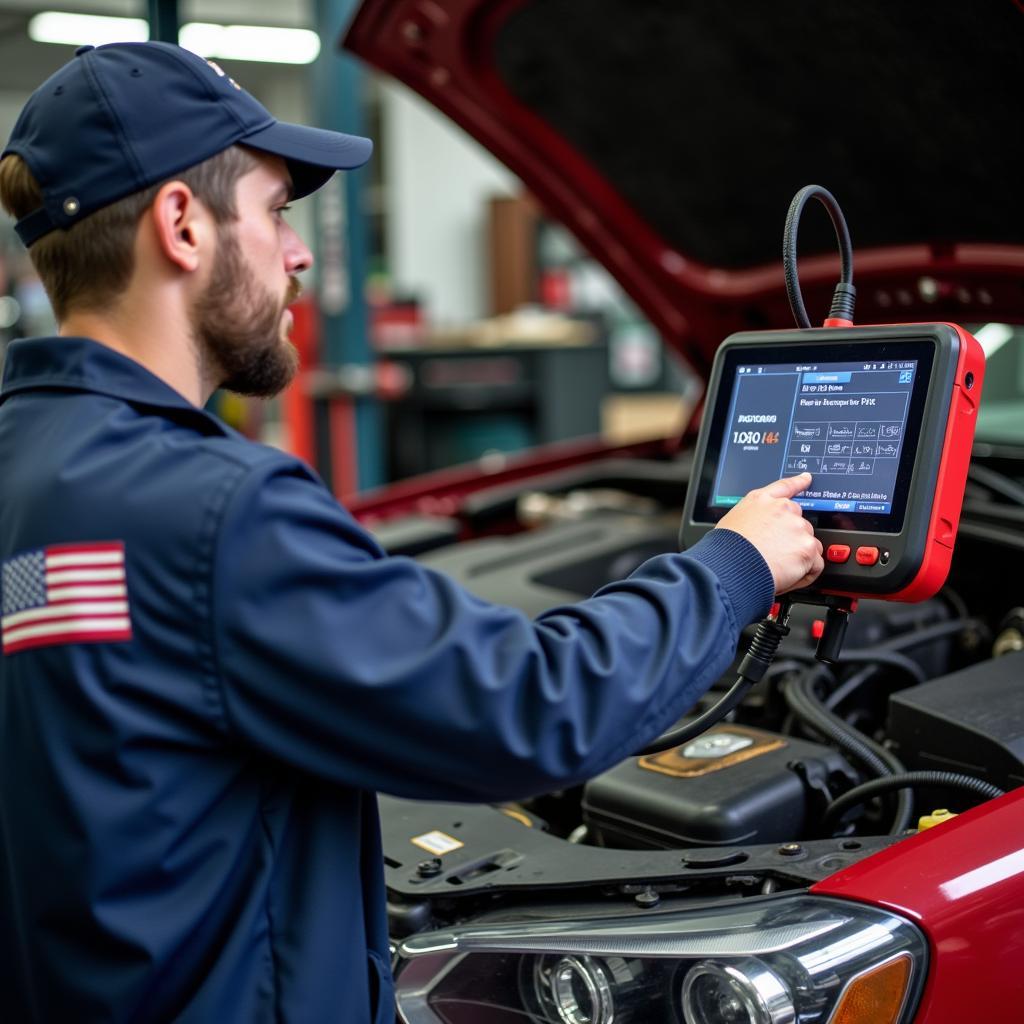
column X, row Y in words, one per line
column 759, row 656
column 752, row 668
column 844, row 299
column 830, row 643
column 839, row 608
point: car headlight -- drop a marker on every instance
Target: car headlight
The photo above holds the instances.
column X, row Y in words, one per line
column 774, row 960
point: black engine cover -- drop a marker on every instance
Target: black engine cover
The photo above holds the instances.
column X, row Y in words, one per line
column 970, row 721
column 732, row 785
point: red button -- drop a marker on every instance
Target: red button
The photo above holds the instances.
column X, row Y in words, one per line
column 818, row 629
column 838, row 552
column 867, row 556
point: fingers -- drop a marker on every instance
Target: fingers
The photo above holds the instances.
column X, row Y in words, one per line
column 800, row 584
column 814, row 564
column 776, row 526
column 807, row 580
column 818, row 564
column 789, row 487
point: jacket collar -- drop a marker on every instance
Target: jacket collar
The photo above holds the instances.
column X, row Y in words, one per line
column 81, row 364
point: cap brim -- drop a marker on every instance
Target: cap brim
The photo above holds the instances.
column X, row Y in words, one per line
column 312, row 154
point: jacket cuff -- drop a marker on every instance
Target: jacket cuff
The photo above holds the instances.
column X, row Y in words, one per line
column 741, row 570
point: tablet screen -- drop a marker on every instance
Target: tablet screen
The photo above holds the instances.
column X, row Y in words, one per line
column 848, row 414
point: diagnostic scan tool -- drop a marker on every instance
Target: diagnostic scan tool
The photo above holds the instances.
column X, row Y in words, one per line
column 882, row 417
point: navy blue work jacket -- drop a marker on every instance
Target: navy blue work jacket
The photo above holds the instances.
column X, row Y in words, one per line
column 208, row 669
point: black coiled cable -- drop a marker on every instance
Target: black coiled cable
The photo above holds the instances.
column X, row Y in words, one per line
column 845, row 295
column 805, row 704
column 800, row 697
column 903, row 782
column 752, row 669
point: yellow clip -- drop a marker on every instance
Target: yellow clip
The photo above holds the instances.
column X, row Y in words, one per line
column 933, row 819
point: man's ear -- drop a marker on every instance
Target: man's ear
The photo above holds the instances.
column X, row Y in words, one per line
column 182, row 225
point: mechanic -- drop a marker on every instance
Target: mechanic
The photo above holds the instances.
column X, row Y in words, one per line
column 208, row 666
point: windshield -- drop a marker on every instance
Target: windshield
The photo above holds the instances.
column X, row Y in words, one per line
column 1001, row 416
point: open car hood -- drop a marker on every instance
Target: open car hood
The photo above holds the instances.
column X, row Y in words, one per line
column 670, row 136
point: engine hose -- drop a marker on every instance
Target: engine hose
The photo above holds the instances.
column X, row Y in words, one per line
column 893, row 659
column 873, row 756
column 997, row 482
column 869, row 656
column 849, row 686
column 904, row 782
column 929, row 633
column 781, row 668
column 893, row 646
column 892, row 764
column 812, row 712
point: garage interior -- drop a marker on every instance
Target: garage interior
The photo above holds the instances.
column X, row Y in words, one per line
column 500, row 389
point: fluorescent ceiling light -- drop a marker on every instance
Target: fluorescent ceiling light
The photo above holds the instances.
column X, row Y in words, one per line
column 230, row 42
column 993, row 337
column 251, row 42
column 76, row 29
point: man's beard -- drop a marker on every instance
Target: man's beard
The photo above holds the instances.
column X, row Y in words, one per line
column 236, row 324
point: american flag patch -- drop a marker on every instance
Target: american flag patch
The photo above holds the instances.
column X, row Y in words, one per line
column 67, row 593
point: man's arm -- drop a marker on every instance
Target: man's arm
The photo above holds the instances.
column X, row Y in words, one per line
column 382, row 674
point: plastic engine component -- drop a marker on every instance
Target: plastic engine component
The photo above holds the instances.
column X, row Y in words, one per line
column 731, row 785
column 970, row 721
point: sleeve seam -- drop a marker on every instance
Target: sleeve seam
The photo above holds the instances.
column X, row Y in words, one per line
column 231, row 496
column 209, row 656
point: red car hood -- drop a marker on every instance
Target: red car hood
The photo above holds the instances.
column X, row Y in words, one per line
column 670, row 136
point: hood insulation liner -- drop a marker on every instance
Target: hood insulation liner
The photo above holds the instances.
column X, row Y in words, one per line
column 708, row 117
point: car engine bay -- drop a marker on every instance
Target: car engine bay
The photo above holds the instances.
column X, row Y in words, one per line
column 752, row 806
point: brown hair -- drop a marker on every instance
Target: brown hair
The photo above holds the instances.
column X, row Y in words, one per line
column 89, row 265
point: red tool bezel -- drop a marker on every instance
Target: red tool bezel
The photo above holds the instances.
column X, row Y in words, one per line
column 952, row 477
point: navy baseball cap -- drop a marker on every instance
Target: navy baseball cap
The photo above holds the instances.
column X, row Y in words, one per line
column 121, row 117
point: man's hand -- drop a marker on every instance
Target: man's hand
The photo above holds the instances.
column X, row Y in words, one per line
column 774, row 524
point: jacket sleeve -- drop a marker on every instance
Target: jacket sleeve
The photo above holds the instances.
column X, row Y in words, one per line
column 382, row 674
